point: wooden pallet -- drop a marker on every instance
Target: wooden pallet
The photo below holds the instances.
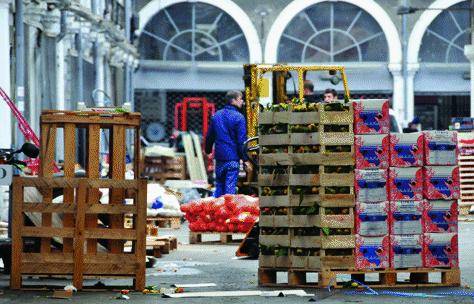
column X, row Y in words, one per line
column 107, row 259
column 165, row 222
column 225, row 237
column 157, row 246
column 416, row 277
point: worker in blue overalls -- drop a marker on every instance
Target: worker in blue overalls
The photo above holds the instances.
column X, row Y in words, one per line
column 228, row 132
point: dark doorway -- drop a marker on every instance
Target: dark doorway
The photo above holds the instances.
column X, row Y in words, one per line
column 435, row 112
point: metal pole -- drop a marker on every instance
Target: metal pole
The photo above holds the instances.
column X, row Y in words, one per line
column 80, row 69
column 405, row 64
column 128, row 70
column 19, row 64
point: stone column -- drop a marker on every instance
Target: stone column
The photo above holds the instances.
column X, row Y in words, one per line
column 469, row 52
column 5, row 81
column 398, row 86
column 412, row 68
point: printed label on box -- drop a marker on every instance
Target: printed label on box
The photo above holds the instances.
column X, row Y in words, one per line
column 406, row 217
column 406, row 251
column 441, row 216
column 371, row 185
column 371, row 116
column 405, row 184
column 406, row 150
column 441, row 148
column 372, row 151
column 441, row 249
column 372, row 219
column 441, row 182
column 372, row 252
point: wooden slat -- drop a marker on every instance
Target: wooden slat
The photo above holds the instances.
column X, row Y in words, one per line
column 137, row 148
column 140, row 243
column 17, row 244
column 48, row 150
column 69, row 168
column 99, row 258
column 55, row 182
column 47, row 268
column 49, row 208
column 93, row 150
column 79, row 237
column 111, row 234
column 117, row 168
column 111, row 120
column 112, row 209
column 47, row 232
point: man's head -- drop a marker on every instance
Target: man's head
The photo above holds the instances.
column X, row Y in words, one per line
column 308, row 87
column 234, row 98
column 330, row 95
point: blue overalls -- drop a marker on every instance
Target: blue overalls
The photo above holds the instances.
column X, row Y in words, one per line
column 228, row 132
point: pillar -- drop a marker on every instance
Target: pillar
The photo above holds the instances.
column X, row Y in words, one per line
column 469, row 52
column 398, row 87
column 5, row 82
column 412, row 68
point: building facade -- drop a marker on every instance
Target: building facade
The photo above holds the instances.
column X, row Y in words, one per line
column 197, row 48
column 73, row 52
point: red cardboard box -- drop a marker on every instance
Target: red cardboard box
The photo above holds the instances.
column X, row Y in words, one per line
column 440, row 216
column 371, row 185
column 406, row 149
column 372, row 252
column 371, row 116
column 406, row 251
column 405, row 184
column 372, row 151
column 372, row 219
column 406, row 217
column 440, row 250
column 441, row 182
column 441, row 148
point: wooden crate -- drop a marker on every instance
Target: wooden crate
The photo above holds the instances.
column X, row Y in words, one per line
column 417, row 278
column 162, row 168
column 107, row 258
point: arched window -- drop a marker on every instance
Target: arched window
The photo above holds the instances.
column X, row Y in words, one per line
column 332, row 32
column 446, row 36
column 193, row 32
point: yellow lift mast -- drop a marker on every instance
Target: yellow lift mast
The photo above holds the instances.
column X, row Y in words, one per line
column 255, row 84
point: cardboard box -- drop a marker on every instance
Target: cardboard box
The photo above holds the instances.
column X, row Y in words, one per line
column 371, row 185
column 405, row 184
column 372, row 151
column 440, row 216
column 441, row 250
column 441, row 182
column 406, row 149
column 371, row 116
column 372, row 219
column 406, row 217
column 406, row 251
column 372, row 252
column 441, row 148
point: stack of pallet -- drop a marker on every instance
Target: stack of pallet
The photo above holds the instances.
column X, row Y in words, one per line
column 466, row 170
column 306, row 191
column 162, row 168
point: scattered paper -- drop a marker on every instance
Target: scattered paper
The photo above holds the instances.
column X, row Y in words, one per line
column 239, row 293
column 194, row 285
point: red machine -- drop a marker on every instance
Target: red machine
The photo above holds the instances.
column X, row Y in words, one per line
column 181, row 112
column 181, row 117
column 27, row 132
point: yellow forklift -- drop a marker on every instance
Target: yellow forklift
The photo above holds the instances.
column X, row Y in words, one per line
column 267, row 85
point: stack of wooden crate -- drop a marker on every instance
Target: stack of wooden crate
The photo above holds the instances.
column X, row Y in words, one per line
column 306, row 183
column 79, row 236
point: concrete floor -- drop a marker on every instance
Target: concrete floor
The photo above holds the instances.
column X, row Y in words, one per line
column 216, row 264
